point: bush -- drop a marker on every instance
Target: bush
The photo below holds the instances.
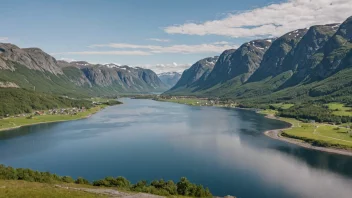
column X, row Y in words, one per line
column 158, row 187
column 67, row 179
column 81, row 180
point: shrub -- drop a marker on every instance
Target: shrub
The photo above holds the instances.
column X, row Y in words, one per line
column 67, row 179
column 81, row 180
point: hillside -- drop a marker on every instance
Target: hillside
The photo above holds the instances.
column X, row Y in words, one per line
column 34, row 69
column 198, row 72
column 305, row 64
column 15, row 101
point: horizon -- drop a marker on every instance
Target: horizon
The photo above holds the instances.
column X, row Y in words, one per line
column 119, row 34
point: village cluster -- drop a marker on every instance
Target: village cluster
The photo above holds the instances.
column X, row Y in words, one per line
column 62, row 111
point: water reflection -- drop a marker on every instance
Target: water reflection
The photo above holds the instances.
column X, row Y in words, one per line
column 221, row 148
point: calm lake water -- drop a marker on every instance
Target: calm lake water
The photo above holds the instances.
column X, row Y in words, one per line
column 221, row 148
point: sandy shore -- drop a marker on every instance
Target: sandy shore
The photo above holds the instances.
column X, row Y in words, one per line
column 276, row 134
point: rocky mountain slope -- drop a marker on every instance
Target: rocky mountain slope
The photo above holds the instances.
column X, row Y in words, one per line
column 306, row 63
column 197, row 73
column 169, row 78
column 34, row 69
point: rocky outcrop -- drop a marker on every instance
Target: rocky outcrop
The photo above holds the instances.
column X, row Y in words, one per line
column 196, row 74
column 242, row 62
column 272, row 63
column 33, row 58
column 8, row 85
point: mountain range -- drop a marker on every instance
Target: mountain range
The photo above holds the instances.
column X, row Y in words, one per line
column 169, row 78
column 304, row 64
column 311, row 63
column 32, row 68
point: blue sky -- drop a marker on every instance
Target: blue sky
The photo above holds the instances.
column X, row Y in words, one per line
column 158, row 34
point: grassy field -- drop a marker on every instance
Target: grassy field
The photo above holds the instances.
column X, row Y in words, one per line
column 282, row 105
column 319, row 134
column 22, row 121
column 277, row 106
column 340, row 109
column 267, row 112
column 10, row 188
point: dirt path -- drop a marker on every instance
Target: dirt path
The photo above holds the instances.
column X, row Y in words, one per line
column 315, row 132
column 111, row 192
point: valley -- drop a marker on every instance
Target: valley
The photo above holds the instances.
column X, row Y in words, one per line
column 178, row 99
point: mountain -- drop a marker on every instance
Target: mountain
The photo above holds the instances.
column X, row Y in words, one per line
column 241, row 63
column 198, row 72
column 272, row 63
column 32, row 58
column 305, row 64
column 301, row 60
column 34, row 69
column 232, row 68
column 169, row 78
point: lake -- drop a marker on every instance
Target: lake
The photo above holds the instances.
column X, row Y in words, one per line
column 221, row 148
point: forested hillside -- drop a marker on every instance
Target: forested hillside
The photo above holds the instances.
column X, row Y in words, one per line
column 15, row 101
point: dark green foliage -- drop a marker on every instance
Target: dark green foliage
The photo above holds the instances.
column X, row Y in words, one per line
column 9, row 173
column 42, row 81
column 314, row 112
column 113, row 182
column 81, row 180
column 67, row 179
column 15, row 101
column 158, row 187
column 186, row 188
column 112, row 102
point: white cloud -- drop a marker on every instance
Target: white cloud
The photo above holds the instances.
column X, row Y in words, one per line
column 271, row 20
column 159, row 40
column 216, row 47
column 4, row 38
column 67, row 59
column 138, row 53
column 168, row 67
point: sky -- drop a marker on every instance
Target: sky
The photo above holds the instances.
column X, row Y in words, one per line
column 162, row 35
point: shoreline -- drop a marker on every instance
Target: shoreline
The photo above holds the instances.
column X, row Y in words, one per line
column 32, row 124
column 276, row 134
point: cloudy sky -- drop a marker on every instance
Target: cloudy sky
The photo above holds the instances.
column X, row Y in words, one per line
column 157, row 34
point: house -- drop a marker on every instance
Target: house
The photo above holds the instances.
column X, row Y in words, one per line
column 39, row 113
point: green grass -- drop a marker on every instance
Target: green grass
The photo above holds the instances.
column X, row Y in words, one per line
column 267, row 112
column 340, row 109
column 10, row 188
column 22, row 121
column 318, row 134
column 321, row 135
column 282, row 105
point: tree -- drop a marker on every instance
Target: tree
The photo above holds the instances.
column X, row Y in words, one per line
column 81, row 180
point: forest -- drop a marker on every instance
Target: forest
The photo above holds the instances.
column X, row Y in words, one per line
column 16, row 101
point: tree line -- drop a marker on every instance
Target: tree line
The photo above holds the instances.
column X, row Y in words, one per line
column 16, row 101
column 159, row 187
column 316, row 112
